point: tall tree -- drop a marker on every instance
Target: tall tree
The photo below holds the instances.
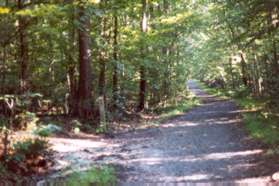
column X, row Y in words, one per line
column 142, row 83
column 115, row 60
column 23, row 49
column 103, row 52
column 85, row 87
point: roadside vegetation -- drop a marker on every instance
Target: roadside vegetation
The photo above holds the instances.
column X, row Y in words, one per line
column 104, row 176
column 175, row 109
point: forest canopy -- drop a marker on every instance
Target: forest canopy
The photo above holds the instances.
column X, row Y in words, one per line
column 135, row 54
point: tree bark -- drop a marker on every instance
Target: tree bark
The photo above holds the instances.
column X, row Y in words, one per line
column 85, row 88
column 72, row 86
column 23, row 50
column 244, row 70
column 3, row 70
column 102, row 76
column 166, row 52
column 71, row 66
column 115, row 61
column 102, row 60
column 231, row 73
column 142, row 83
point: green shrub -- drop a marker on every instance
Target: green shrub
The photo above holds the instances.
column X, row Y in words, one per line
column 101, row 129
column 25, row 120
column 47, row 130
column 175, row 109
column 259, row 127
column 3, row 122
column 76, row 126
column 86, row 127
column 29, row 148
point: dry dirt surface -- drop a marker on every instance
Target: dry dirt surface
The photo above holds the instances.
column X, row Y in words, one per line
column 206, row 145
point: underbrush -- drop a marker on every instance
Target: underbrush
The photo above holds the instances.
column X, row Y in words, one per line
column 25, row 158
column 130, row 121
column 23, row 153
column 175, row 109
column 261, row 122
column 265, row 129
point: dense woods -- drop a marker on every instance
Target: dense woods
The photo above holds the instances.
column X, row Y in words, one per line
column 239, row 48
column 72, row 52
column 98, row 61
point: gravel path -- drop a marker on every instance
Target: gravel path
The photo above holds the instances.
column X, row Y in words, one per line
column 207, row 144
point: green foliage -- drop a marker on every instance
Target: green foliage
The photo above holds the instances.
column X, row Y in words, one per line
column 88, row 128
column 26, row 120
column 29, row 148
column 265, row 129
column 95, row 176
column 47, row 130
column 101, row 129
column 251, row 103
column 213, row 91
column 175, row 109
column 238, row 43
column 3, row 122
column 53, row 47
column 229, row 44
column 76, row 126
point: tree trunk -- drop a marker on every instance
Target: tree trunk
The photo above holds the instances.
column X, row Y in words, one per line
column 102, row 76
column 243, row 70
column 166, row 6
column 142, row 89
column 115, row 62
column 256, row 77
column 231, row 73
column 84, row 89
column 23, row 50
column 102, row 60
column 142, row 83
column 3, row 71
column 72, row 86
column 71, row 99
column 166, row 52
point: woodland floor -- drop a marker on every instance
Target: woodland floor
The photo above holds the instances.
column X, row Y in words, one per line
column 205, row 144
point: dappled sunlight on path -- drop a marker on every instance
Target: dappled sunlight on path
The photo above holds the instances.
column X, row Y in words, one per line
column 71, row 145
column 206, row 144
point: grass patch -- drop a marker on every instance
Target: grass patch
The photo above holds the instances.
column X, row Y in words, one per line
column 213, row 91
column 176, row 109
column 94, row 176
column 260, row 123
column 265, row 129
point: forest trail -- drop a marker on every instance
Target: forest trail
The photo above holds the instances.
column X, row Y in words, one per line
column 205, row 144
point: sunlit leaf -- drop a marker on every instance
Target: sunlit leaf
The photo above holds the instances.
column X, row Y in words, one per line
column 4, row 10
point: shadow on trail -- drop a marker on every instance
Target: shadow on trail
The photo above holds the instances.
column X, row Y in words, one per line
column 206, row 144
